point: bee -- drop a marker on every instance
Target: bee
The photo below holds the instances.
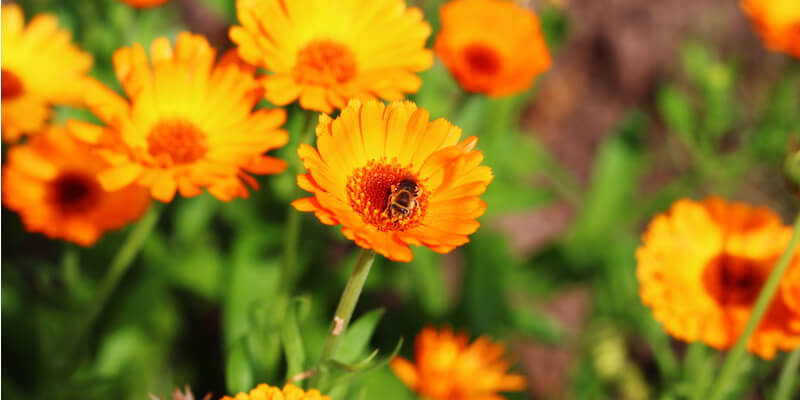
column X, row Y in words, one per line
column 402, row 199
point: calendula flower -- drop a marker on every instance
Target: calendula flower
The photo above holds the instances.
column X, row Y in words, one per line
column 777, row 22
column 790, row 290
column 326, row 52
column 51, row 181
column 448, row 367
column 289, row 392
column 701, row 266
column 143, row 3
column 40, row 68
column 392, row 178
column 490, row 46
column 187, row 123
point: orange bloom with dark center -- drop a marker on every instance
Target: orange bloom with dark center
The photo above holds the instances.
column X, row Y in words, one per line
column 701, row 267
column 490, row 46
column 187, row 123
column 328, row 52
column 392, row 178
column 448, row 367
column 51, row 181
column 143, row 3
column 777, row 22
column 41, row 68
column 289, row 392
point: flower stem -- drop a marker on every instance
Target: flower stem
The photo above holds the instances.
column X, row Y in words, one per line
column 293, row 218
column 788, row 375
column 119, row 266
column 726, row 376
column 344, row 311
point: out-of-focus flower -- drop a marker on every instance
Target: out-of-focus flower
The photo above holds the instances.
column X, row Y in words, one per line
column 143, row 3
column 327, row 52
column 51, row 181
column 289, row 392
column 777, row 22
column 187, row 124
column 41, row 67
column 448, row 367
column 490, row 46
column 701, row 267
column 391, row 178
column 790, row 291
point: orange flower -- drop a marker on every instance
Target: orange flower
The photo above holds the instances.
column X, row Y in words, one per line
column 326, row 52
column 143, row 3
column 40, row 68
column 188, row 124
column 492, row 47
column 391, row 178
column 51, row 182
column 289, row 392
column 448, row 367
column 701, row 267
column 777, row 22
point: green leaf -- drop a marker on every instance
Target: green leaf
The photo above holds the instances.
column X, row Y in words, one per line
column 238, row 371
column 292, row 343
column 676, row 109
column 356, row 338
column 428, row 279
column 536, row 325
column 350, row 374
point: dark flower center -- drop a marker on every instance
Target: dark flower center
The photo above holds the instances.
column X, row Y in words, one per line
column 73, row 192
column 11, row 85
column 734, row 281
column 482, row 59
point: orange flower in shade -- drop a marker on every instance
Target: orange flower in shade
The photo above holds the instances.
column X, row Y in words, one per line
column 490, row 46
column 187, row 124
column 143, row 3
column 777, row 22
column 51, row 182
column 448, row 367
column 289, row 392
column 392, row 178
column 40, row 68
column 701, row 267
column 326, row 52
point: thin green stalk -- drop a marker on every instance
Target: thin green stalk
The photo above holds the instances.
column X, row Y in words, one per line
column 117, row 269
column 788, row 376
column 344, row 311
column 293, row 218
column 726, row 376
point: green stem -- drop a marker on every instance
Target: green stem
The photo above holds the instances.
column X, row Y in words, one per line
column 788, row 375
column 119, row 266
column 344, row 311
column 293, row 218
column 732, row 361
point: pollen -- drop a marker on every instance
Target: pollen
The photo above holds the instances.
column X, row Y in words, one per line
column 11, row 85
column 482, row 59
column 369, row 188
column 74, row 193
column 176, row 142
column 325, row 62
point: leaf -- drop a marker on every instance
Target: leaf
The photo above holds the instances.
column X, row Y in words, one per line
column 428, row 282
column 356, row 338
column 352, row 373
column 238, row 371
column 538, row 326
column 293, row 343
column 676, row 109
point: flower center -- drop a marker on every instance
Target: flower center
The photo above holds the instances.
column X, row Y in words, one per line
column 11, row 85
column 176, row 142
column 482, row 59
column 387, row 195
column 74, row 192
column 734, row 281
column 325, row 62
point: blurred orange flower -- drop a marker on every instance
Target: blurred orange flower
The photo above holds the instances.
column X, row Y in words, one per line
column 490, row 46
column 327, row 52
column 289, row 392
column 40, row 68
column 391, row 178
column 701, row 267
column 51, row 182
column 448, row 367
column 143, row 3
column 187, row 124
column 777, row 22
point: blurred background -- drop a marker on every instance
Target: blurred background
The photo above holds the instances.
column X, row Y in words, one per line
column 646, row 102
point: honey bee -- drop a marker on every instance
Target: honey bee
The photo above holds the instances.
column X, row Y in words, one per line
column 402, row 199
